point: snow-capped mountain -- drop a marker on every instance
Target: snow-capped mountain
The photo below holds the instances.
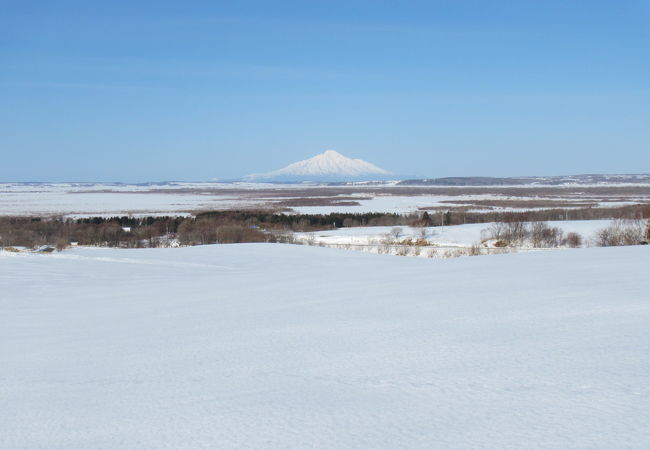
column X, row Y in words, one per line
column 327, row 166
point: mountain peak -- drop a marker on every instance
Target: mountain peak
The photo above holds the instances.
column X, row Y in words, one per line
column 328, row 165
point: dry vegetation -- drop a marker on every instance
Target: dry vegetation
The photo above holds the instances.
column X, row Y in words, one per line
column 623, row 232
column 508, row 229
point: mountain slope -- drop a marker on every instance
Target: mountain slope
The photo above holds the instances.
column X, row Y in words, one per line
column 329, row 165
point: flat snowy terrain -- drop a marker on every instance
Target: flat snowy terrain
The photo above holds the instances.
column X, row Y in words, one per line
column 452, row 236
column 106, row 199
column 277, row 346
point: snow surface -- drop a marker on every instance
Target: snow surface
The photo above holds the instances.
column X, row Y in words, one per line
column 277, row 346
column 450, row 236
column 111, row 199
column 110, row 203
column 404, row 204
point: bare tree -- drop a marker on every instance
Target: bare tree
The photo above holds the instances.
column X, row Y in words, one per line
column 621, row 232
column 396, row 232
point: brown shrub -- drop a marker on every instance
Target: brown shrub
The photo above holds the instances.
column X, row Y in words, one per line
column 233, row 234
column 573, row 240
column 61, row 244
column 621, row 232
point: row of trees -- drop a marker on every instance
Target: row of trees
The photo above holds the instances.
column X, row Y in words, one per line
column 33, row 232
column 205, row 228
column 459, row 216
column 264, row 226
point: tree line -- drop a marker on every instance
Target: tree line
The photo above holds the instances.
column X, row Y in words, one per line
column 233, row 226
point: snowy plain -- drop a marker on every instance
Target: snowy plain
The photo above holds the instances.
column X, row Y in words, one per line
column 183, row 198
column 103, row 200
column 278, row 346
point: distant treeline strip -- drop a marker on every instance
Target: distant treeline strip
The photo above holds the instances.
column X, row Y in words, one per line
column 257, row 226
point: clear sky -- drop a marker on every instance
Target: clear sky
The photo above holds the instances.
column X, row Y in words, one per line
column 155, row 90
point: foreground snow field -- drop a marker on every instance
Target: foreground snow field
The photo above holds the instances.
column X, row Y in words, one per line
column 275, row 346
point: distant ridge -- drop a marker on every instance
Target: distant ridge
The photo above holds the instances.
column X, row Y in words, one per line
column 587, row 179
column 327, row 166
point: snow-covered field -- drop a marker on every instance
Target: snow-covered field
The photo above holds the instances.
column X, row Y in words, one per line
column 448, row 236
column 77, row 202
column 105, row 199
column 277, row 346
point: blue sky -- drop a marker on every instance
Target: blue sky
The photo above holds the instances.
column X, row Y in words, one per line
column 154, row 90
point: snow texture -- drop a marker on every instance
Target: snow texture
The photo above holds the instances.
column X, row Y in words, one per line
column 277, row 346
